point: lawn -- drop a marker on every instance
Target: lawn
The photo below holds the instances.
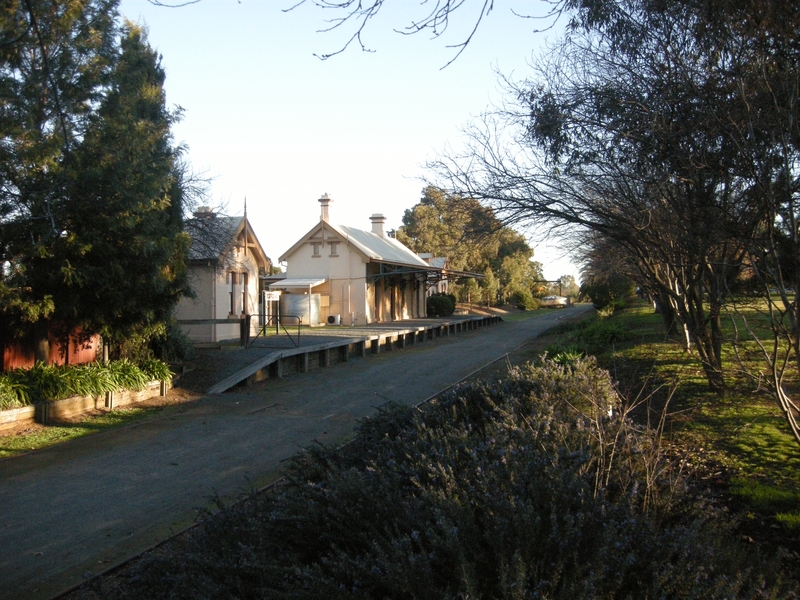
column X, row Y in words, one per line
column 739, row 441
column 38, row 437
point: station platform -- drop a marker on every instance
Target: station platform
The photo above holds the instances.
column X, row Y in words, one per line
column 304, row 348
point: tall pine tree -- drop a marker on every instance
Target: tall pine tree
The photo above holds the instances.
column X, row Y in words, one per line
column 123, row 262
column 90, row 186
column 55, row 58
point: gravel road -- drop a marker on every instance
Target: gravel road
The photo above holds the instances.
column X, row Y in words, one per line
column 77, row 508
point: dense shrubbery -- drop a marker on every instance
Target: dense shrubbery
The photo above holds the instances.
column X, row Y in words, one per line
column 609, row 290
column 524, row 300
column 592, row 336
column 41, row 382
column 600, row 334
column 440, row 305
column 516, row 489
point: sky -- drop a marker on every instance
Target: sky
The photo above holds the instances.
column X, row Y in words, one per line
column 265, row 119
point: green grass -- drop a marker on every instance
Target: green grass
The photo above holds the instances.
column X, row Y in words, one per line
column 743, row 432
column 789, row 520
column 42, row 437
column 524, row 315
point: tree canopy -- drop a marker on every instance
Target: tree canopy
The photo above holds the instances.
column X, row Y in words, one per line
column 473, row 239
column 668, row 133
column 91, row 200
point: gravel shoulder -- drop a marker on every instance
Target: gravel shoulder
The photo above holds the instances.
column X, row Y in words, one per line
column 77, row 508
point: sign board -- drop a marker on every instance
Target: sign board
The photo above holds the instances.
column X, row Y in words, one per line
column 272, row 296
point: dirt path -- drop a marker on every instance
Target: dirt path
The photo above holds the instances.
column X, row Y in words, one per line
column 79, row 507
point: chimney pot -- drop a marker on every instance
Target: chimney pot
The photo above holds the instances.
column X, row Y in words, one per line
column 324, row 202
column 377, row 224
column 204, row 212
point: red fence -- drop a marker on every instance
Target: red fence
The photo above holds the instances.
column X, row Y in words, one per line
column 22, row 355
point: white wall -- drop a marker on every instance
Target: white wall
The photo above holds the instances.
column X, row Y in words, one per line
column 212, row 299
column 345, row 271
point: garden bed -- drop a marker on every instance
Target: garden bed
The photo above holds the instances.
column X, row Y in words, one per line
column 54, row 411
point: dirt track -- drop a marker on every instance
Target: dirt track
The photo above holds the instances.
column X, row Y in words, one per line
column 77, row 508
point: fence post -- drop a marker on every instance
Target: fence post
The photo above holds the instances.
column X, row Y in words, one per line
column 244, row 330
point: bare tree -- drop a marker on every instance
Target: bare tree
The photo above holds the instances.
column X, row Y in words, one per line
column 669, row 132
column 617, row 135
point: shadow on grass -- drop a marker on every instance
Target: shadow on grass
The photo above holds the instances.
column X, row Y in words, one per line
column 43, row 436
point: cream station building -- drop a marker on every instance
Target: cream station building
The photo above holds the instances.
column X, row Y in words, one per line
column 225, row 264
column 342, row 275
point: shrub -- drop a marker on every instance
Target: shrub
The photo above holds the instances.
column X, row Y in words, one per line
column 600, row 334
column 440, row 305
column 41, row 382
column 524, row 300
column 173, row 346
column 514, row 489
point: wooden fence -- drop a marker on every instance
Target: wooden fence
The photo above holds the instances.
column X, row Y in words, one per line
column 22, row 354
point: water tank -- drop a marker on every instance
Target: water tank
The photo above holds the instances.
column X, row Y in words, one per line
column 304, row 306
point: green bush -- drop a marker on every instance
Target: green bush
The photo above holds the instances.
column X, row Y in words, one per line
column 41, row 382
column 608, row 289
column 515, row 489
column 524, row 300
column 600, row 334
column 440, row 305
column 173, row 346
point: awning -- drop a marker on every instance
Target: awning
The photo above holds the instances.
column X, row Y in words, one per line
column 304, row 283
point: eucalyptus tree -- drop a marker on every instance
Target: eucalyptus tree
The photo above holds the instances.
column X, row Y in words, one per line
column 620, row 133
column 472, row 238
column 669, row 128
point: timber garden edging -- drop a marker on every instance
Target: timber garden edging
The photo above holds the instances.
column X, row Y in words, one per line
column 54, row 411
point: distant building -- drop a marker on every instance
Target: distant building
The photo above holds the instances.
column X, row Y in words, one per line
column 439, row 283
column 340, row 274
column 225, row 262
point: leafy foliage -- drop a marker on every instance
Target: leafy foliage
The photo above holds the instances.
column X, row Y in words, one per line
column 440, row 305
column 607, row 290
column 42, row 382
column 520, row 488
column 473, row 239
column 93, row 191
column 524, row 300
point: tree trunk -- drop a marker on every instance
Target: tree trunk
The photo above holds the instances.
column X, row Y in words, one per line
column 41, row 342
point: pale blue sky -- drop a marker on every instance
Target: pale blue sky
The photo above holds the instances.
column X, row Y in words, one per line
column 271, row 122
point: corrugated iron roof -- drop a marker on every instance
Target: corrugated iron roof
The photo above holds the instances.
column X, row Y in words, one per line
column 381, row 249
column 299, row 282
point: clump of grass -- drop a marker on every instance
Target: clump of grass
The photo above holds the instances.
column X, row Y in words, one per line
column 21, row 387
column 765, row 497
column 789, row 520
column 155, row 370
column 13, row 394
column 42, row 437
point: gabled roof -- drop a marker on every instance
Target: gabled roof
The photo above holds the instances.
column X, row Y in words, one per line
column 381, row 249
column 373, row 246
column 214, row 236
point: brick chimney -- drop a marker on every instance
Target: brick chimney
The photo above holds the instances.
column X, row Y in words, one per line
column 377, row 224
column 324, row 202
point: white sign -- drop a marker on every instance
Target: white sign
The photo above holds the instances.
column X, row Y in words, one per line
column 272, row 296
